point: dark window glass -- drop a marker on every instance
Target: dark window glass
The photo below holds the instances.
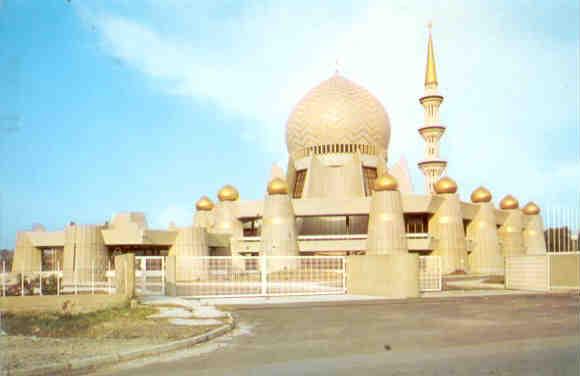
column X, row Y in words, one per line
column 299, row 183
column 369, row 174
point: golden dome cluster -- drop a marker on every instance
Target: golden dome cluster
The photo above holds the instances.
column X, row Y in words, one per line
column 204, row 204
column 531, row 208
column 480, row 195
column 445, row 185
column 277, row 186
column 509, row 202
column 228, row 193
column 386, row 182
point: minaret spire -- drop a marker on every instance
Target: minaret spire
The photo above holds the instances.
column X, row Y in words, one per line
column 430, row 70
column 432, row 166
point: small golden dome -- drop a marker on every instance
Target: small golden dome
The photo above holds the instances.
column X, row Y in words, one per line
column 480, row 195
column 509, row 202
column 386, row 182
column 531, row 208
column 228, row 193
column 277, row 186
column 204, row 203
column 446, row 185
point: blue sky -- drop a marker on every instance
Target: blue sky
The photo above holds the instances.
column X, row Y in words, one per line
column 109, row 106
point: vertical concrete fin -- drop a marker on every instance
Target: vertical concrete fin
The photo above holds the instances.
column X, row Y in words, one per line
column 449, row 232
column 386, row 230
column 485, row 256
column 534, row 240
column 510, row 233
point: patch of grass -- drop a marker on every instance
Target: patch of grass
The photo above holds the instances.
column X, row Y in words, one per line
column 70, row 325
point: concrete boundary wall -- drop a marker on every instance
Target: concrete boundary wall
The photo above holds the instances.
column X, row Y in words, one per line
column 527, row 272
column 391, row 276
column 54, row 303
column 565, row 270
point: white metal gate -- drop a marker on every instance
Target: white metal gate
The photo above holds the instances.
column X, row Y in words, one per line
column 430, row 275
column 150, row 275
column 229, row 276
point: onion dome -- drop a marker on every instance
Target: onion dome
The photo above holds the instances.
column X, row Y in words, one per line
column 338, row 111
column 277, row 186
column 386, row 182
column 509, row 202
column 531, row 208
column 228, row 193
column 204, row 203
column 446, row 185
column 480, row 195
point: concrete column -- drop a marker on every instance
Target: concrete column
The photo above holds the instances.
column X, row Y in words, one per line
column 534, row 240
column 27, row 258
column 171, row 276
column 84, row 249
column 190, row 243
column 386, row 230
column 486, row 256
column 447, row 224
column 510, row 233
column 125, row 275
column 279, row 235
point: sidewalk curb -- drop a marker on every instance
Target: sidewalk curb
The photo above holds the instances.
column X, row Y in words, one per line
column 84, row 366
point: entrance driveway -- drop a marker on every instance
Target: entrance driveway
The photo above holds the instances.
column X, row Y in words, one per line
column 492, row 335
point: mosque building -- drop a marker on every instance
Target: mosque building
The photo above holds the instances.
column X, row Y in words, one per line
column 336, row 197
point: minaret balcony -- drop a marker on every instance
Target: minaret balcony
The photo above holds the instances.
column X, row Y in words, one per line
column 433, row 163
column 431, row 98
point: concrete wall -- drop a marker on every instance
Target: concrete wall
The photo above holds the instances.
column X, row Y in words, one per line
column 54, row 303
column 565, row 271
column 524, row 272
column 391, row 276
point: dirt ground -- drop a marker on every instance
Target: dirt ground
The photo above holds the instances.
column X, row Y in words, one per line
column 35, row 340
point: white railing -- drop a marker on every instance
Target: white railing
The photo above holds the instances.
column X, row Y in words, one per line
column 91, row 280
column 150, row 275
column 430, row 273
column 562, row 229
column 229, row 276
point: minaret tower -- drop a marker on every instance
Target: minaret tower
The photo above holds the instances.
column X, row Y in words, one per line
column 431, row 166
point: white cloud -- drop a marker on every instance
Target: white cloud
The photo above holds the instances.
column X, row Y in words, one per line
column 502, row 90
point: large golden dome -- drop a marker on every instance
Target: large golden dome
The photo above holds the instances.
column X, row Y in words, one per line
column 338, row 111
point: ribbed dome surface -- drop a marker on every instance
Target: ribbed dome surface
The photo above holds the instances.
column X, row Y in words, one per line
column 338, row 111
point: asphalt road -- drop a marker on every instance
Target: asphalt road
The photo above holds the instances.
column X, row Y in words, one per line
column 500, row 335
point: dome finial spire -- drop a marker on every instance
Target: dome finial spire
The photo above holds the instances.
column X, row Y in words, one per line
column 430, row 71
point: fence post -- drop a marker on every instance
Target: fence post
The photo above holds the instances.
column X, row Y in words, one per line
column 3, row 277
column 40, row 279
column 344, row 260
column 93, row 277
column 163, row 275
column 75, row 281
column 264, row 275
column 58, row 280
column 548, row 276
